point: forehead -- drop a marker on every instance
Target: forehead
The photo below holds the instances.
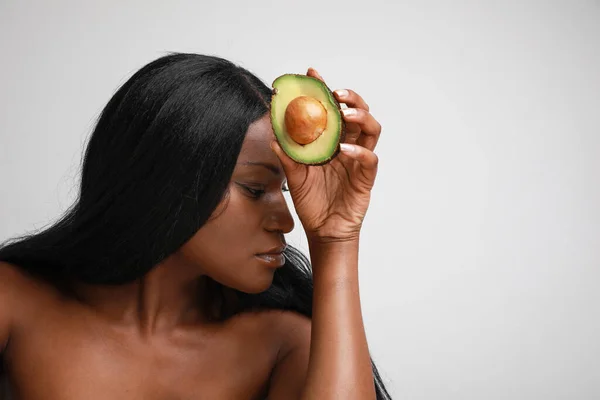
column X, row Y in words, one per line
column 256, row 146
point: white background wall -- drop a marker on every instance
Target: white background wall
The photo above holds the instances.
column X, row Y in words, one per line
column 480, row 258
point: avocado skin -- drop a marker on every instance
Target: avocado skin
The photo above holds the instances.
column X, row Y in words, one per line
column 337, row 105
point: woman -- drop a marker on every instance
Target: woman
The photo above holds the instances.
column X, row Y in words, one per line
column 169, row 278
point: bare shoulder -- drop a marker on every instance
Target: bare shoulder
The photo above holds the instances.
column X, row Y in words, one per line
column 12, row 280
column 279, row 326
column 294, row 329
column 14, row 291
column 19, row 290
column 284, row 330
column 285, row 327
column 15, row 277
column 293, row 335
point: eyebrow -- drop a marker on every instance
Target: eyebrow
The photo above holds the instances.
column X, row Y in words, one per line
column 268, row 166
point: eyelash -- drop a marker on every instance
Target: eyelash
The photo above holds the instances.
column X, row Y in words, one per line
column 257, row 193
column 254, row 193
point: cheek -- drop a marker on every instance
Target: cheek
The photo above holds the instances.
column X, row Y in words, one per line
column 229, row 238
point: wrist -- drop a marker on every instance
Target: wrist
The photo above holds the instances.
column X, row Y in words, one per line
column 316, row 239
column 334, row 263
column 333, row 250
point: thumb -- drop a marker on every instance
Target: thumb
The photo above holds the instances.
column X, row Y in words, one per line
column 290, row 167
column 313, row 72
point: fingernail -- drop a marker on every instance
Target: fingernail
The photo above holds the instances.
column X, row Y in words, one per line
column 346, row 148
column 341, row 93
column 349, row 111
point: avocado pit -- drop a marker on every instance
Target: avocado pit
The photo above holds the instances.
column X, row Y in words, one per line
column 305, row 119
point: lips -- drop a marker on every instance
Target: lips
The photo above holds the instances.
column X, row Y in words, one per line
column 273, row 257
column 273, row 251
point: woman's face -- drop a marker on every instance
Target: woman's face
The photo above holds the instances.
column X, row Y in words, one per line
column 240, row 246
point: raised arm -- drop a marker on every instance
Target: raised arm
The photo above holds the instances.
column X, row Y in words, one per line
column 340, row 365
column 331, row 202
column 328, row 358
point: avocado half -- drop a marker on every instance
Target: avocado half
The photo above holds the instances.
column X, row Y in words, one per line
column 286, row 89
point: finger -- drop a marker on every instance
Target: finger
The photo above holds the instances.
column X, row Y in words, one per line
column 352, row 133
column 369, row 127
column 290, row 167
column 350, row 98
column 313, row 72
column 367, row 160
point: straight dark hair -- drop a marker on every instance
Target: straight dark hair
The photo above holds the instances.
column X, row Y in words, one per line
column 157, row 164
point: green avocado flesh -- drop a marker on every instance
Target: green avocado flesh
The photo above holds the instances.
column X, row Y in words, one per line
column 286, row 88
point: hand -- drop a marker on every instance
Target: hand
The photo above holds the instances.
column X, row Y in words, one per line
column 332, row 199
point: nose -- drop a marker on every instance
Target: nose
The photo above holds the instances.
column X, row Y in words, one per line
column 280, row 219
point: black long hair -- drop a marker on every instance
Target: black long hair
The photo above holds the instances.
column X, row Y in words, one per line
column 157, row 164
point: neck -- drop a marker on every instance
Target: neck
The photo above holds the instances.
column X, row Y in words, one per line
column 171, row 295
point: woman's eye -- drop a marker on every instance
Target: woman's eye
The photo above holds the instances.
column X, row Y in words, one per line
column 255, row 193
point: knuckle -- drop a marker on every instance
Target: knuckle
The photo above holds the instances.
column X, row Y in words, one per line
column 375, row 160
column 357, row 100
column 363, row 115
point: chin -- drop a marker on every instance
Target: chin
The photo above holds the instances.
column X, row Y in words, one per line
column 256, row 286
column 250, row 280
column 256, row 289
